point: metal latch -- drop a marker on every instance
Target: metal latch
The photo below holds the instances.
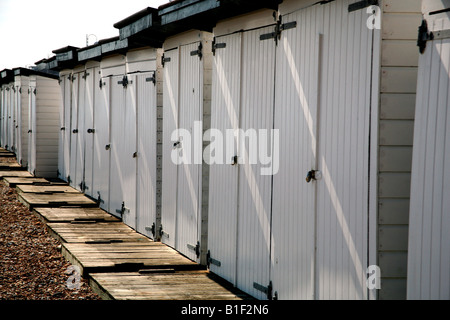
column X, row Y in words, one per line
column 125, row 82
column 75, row 131
column 234, row 160
column 91, row 131
column 425, row 36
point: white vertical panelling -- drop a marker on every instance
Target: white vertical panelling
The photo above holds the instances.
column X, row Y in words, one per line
column 146, row 148
column 11, row 118
column 73, row 128
column 91, row 80
column 169, row 169
column 296, row 92
column 32, row 128
column 67, row 132
column 222, row 221
column 429, row 249
column 343, row 155
column 61, row 135
column 101, row 165
column 123, row 147
column 189, row 173
column 255, row 193
column 81, row 135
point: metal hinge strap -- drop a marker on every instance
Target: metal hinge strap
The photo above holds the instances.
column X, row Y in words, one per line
column 361, row 5
column 152, row 78
column 267, row 290
column 279, row 28
column 198, row 52
column 210, row 260
column 164, row 60
column 217, row 46
column 195, row 248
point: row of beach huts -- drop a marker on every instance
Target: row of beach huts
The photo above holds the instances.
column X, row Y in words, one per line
column 348, row 196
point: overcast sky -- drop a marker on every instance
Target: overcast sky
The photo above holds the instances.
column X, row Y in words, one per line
column 31, row 29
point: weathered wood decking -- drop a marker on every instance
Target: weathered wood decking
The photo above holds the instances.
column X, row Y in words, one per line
column 66, row 214
column 121, row 264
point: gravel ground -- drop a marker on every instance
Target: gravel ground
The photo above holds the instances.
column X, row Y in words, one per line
column 31, row 264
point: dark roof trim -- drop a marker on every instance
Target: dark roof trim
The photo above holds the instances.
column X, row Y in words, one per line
column 28, row 72
column 135, row 17
column 6, row 76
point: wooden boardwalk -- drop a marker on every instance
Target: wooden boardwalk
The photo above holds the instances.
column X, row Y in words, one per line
column 119, row 262
column 163, row 285
column 49, row 215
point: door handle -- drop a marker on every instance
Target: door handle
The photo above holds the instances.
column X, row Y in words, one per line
column 107, row 147
column 311, row 176
column 91, row 131
column 234, row 160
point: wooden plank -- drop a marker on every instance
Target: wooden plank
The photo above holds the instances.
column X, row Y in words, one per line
column 33, row 200
column 10, row 166
column 15, row 173
column 46, row 189
column 12, row 182
column 181, row 285
column 125, row 256
column 74, row 214
column 82, row 232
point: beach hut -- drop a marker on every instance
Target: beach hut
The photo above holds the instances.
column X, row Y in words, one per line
column 8, row 99
column 322, row 214
column 429, row 221
column 43, row 125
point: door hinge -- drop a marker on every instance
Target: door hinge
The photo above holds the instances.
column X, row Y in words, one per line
column 152, row 229
column 198, row 52
column 101, row 84
column 152, row 78
column 99, row 199
column 85, row 75
column 123, row 209
column 361, row 5
column 267, row 290
column 279, row 28
column 164, row 60
column 195, row 248
column 162, row 232
column 217, row 46
column 210, row 261
column 424, row 36
column 69, row 180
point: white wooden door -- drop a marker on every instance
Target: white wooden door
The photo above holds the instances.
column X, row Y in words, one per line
column 170, row 124
column 74, row 129
column 123, row 149
column 429, row 220
column 91, row 79
column 189, row 170
column 343, row 154
column 80, row 135
column 146, row 151
column 32, row 129
column 223, row 196
column 255, row 189
column 61, row 134
column 296, row 96
column 102, row 151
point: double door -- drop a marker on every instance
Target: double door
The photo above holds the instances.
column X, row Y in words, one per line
column 300, row 232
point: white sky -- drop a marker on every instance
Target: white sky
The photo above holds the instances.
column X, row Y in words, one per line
column 31, row 29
